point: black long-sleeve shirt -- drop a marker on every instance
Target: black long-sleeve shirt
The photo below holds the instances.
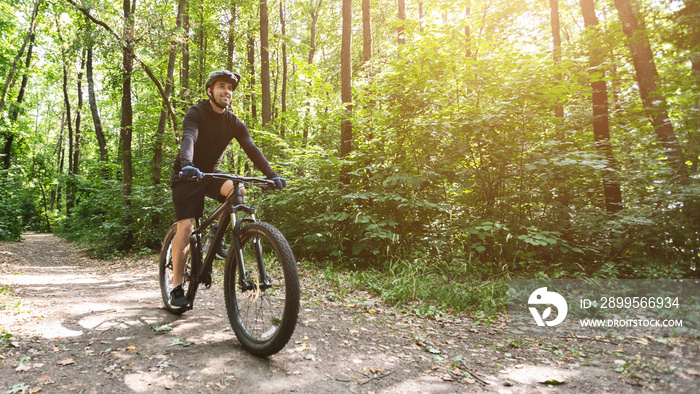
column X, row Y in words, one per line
column 205, row 136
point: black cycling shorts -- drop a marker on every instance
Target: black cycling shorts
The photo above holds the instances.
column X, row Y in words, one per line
column 188, row 196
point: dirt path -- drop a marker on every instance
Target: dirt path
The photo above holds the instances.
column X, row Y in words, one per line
column 88, row 326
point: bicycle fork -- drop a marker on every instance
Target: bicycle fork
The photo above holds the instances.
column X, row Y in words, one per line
column 263, row 281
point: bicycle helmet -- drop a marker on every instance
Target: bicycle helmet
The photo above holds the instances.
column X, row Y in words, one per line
column 223, row 75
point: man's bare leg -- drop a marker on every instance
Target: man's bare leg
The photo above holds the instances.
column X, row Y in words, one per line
column 181, row 245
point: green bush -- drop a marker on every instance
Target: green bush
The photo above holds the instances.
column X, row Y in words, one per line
column 100, row 221
column 18, row 205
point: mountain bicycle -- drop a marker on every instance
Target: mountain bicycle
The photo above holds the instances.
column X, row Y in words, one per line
column 261, row 283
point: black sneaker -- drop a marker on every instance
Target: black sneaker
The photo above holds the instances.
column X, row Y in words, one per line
column 221, row 252
column 177, row 297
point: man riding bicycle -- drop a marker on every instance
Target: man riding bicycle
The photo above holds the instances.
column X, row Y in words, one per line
column 208, row 128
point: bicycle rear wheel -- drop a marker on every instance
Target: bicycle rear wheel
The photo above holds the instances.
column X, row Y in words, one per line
column 165, row 274
column 263, row 309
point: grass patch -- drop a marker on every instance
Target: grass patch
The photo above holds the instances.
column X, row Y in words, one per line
column 4, row 339
column 5, row 296
column 8, row 301
column 431, row 287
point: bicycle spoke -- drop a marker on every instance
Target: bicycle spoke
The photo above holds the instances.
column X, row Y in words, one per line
column 258, row 307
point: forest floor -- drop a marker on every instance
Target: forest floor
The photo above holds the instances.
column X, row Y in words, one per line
column 69, row 323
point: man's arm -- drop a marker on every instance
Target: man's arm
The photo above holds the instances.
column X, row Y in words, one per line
column 190, row 131
column 254, row 153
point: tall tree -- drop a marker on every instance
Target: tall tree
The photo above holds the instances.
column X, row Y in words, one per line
column 60, row 162
column 556, row 48
column 78, row 115
column 366, row 31
column 185, row 68
column 647, row 77
column 126, row 124
column 92, row 100
column 314, row 12
column 467, row 28
column 686, row 37
column 70, row 189
column 283, row 22
column 266, row 98
column 15, row 107
column 11, row 74
column 230, row 45
column 251, row 73
column 202, row 50
column 601, row 126
column 402, row 18
column 346, row 79
column 169, row 86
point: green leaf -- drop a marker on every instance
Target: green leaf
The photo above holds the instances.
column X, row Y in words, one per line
column 553, row 382
column 179, row 342
column 18, row 388
column 163, row 328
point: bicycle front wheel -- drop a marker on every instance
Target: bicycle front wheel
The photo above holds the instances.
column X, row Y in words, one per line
column 264, row 307
column 165, row 274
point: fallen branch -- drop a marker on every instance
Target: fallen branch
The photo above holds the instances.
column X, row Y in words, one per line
column 473, row 374
column 377, row 377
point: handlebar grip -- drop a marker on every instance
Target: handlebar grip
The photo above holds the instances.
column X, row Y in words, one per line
column 182, row 176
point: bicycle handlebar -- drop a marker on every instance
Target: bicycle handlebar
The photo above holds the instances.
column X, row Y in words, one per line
column 266, row 183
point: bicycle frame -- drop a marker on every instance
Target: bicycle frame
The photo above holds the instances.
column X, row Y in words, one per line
column 227, row 212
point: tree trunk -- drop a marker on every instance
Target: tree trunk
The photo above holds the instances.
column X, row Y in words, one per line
column 467, row 32
column 283, row 22
column 11, row 74
column 402, row 17
column 366, row 31
column 230, row 46
column 92, row 99
column 251, row 73
column 265, row 65
column 56, row 195
column 346, row 79
column 125, row 131
column 44, row 203
column 169, row 86
column 78, row 116
column 185, row 70
column 15, row 108
column 421, row 14
column 314, row 12
column 28, row 40
column 647, row 75
column 203, row 41
column 601, row 127
column 556, row 48
column 70, row 197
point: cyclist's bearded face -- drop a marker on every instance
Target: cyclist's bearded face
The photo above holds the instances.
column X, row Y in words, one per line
column 221, row 92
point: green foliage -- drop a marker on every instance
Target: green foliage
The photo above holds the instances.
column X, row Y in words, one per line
column 4, row 339
column 98, row 219
column 18, row 205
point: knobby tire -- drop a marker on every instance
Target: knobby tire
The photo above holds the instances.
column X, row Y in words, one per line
column 262, row 319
